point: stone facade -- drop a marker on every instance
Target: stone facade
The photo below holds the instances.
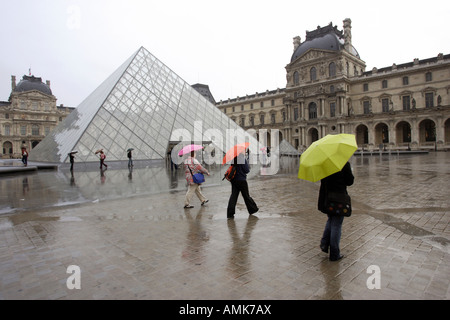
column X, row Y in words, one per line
column 328, row 90
column 28, row 116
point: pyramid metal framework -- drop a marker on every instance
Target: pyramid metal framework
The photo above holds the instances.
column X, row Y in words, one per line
column 138, row 106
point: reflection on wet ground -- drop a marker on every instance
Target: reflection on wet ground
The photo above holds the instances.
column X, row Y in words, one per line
column 49, row 188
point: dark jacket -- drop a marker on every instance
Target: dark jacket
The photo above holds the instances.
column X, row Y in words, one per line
column 242, row 168
column 337, row 182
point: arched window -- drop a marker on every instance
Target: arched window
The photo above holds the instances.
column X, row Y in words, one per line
column 312, row 110
column 296, row 78
column 332, row 69
column 313, row 74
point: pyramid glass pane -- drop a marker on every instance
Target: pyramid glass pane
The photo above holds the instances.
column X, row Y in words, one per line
column 139, row 106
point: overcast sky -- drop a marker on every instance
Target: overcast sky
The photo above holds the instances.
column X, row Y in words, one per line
column 236, row 47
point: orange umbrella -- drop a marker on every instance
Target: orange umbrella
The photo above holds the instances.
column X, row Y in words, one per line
column 235, row 151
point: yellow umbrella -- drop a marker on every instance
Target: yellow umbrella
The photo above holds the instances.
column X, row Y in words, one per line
column 326, row 156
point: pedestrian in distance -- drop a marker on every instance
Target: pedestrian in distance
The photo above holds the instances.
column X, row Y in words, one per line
column 337, row 183
column 25, row 156
column 130, row 158
column 72, row 160
column 239, row 185
column 191, row 167
column 102, row 160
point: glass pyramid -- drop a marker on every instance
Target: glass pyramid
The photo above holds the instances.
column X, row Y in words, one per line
column 139, row 106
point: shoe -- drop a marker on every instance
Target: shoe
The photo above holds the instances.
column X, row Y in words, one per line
column 338, row 258
column 188, row 207
column 254, row 211
column 230, row 217
column 324, row 249
column 204, row 202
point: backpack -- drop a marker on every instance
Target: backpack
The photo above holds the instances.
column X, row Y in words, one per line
column 230, row 173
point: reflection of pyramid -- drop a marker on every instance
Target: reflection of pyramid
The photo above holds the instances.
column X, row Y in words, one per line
column 138, row 106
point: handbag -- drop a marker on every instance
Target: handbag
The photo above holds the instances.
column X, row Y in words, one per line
column 338, row 204
column 198, row 177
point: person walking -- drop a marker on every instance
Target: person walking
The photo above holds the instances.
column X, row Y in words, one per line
column 337, row 182
column 191, row 167
column 102, row 160
column 130, row 158
column 72, row 160
column 239, row 185
column 25, row 156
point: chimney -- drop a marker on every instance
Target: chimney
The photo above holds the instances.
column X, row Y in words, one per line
column 13, row 82
column 47, row 82
column 348, row 34
column 297, row 41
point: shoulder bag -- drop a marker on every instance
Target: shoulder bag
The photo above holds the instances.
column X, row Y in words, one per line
column 198, row 178
column 337, row 203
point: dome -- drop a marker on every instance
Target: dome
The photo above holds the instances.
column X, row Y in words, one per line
column 326, row 38
column 29, row 83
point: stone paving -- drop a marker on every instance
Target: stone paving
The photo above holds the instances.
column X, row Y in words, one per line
column 149, row 247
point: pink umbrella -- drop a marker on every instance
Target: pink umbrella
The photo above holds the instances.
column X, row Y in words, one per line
column 189, row 149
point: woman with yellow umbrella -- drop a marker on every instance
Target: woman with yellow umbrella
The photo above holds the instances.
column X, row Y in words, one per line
column 327, row 160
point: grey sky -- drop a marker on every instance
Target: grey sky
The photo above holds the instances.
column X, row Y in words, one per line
column 235, row 47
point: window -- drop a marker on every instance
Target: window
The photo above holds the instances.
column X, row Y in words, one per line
column 46, row 107
column 262, row 104
column 35, row 130
column 331, row 89
column 251, row 106
column 283, row 115
column 296, row 78
column 405, row 81
column 385, row 104
column 384, row 84
column 242, row 108
column 23, row 130
column 429, row 97
column 242, row 122
column 7, row 130
column 272, row 118
column 272, row 102
column 428, row 76
column 366, row 87
column 355, row 71
column 261, row 119
column 332, row 109
column 6, row 115
column 312, row 110
column 47, row 130
column 366, row 105
column 232, row 109
column 313, row 74
column 34, row 105
column 252, row 121
column 348, row 68
column 406, row 102
column 332, row 69
column 295, row 114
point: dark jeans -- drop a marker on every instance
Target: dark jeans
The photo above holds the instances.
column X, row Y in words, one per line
column 332, row 235
column 237, row 187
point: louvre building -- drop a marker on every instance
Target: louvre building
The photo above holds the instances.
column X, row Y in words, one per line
column 145, row 106
column 328, row 90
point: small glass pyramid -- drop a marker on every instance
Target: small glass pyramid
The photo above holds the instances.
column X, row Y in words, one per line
column 139, row 106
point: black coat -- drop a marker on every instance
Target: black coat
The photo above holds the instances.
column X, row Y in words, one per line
column 337, row 182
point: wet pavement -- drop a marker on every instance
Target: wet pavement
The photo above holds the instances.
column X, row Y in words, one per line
column 131, row 238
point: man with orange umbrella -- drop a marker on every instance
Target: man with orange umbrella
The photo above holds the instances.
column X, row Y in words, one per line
column 239, row 182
